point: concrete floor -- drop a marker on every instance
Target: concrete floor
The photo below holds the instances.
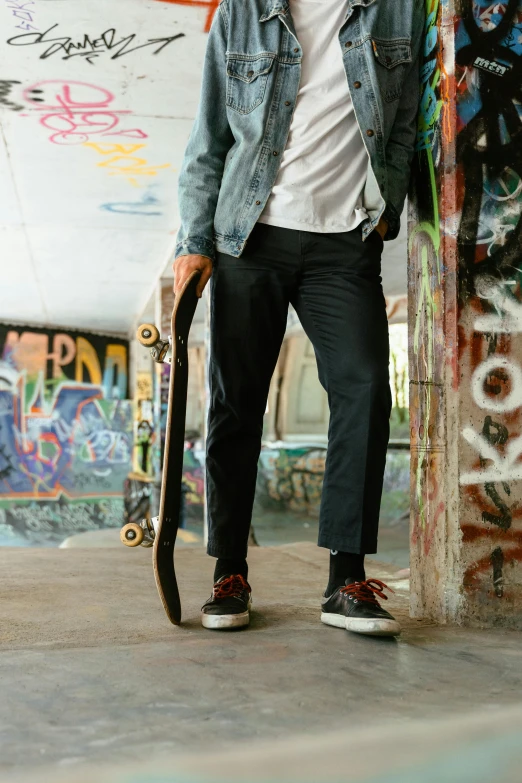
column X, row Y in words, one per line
column 92, row 673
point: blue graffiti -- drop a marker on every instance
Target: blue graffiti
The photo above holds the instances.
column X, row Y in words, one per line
column 142, row 207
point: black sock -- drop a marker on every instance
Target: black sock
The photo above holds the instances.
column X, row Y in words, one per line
column 343, row 566
column 226, row 566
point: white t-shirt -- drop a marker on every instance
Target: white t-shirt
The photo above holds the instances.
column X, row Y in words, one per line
column 323, row 169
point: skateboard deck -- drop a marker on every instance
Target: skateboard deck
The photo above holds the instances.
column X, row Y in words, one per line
column 164, row 529
column 170, row 498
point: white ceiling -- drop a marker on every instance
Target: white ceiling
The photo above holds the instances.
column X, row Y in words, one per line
column 85, row 231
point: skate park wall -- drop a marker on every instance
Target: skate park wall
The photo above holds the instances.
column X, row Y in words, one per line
column 65, row 433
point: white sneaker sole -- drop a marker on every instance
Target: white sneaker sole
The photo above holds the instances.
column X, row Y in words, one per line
column 221, row 622
column 373, row 627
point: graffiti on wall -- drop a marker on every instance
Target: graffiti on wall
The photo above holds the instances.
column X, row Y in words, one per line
column 288, row 479
column 89, row 48
column 6, row 86
column 291, row 479
column 210, row 5
column 146, row 205
column 144, row 424
column 75, row 113
column 23, row 13
column 65, row 431
column 489, row 147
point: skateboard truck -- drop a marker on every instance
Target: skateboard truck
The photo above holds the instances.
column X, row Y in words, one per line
column 143, row 533
column 160, row 350
column 139, row 534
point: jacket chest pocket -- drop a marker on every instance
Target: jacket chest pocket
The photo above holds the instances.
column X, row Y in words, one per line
column 393, row 60
column 246, row 81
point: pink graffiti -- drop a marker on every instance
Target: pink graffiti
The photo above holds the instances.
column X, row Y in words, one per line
column 76, row 111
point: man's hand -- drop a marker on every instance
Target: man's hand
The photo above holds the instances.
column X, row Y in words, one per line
column 382, row 228
column 183, row 267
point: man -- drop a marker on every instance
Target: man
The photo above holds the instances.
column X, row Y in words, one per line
column 295, row 172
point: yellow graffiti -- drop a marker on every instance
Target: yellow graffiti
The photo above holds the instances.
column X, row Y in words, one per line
column 124, row 163
column 116, row 357
column 86, row 358
column 143, row 385
column 112, row 149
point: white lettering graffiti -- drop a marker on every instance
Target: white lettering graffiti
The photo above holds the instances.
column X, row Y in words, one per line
column 507, row 319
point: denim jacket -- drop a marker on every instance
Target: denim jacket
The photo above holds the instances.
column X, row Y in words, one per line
column 250, row 83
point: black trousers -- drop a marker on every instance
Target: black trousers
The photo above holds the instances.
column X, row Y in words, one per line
column 334, row 283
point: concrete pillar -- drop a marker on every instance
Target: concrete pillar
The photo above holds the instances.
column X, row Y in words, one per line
column 465, row 318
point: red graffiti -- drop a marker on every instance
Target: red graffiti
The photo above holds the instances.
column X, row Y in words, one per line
column 210, row 4
column 428, row 533
column 76, row 111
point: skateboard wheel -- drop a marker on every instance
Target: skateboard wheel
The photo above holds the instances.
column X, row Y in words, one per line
column 148, row 334
column 131, row 534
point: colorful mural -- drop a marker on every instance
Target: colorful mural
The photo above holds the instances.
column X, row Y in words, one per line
column 465, row 306
column 489, row 242
column 65, row 432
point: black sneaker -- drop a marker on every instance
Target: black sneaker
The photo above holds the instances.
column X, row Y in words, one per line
column 229, row 604
column 356, row 608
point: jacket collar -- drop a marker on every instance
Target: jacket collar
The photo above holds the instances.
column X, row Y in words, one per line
column 276, row 7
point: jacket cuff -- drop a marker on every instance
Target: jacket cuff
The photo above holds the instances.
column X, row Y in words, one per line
column 393, row 219
column 199, row 246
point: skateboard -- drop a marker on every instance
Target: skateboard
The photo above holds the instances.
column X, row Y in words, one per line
column 161, row 531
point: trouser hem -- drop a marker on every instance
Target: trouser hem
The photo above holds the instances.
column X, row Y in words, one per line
column 214, row 550
column 347, row 545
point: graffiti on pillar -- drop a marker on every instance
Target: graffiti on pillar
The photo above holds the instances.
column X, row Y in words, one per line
column 65, row 431
column 489, row 155
column 490, row 148
column 425, row 291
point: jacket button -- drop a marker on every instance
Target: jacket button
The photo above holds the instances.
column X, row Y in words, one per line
column 348, row 43
column 250, row 73
column 258, row 202
column 357, row 85
column 369, row 132
column 276, row 152
column 296, row 49
column 287, row 103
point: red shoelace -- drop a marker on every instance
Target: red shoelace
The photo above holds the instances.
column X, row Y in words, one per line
column 231, row 587
column 366, row 591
